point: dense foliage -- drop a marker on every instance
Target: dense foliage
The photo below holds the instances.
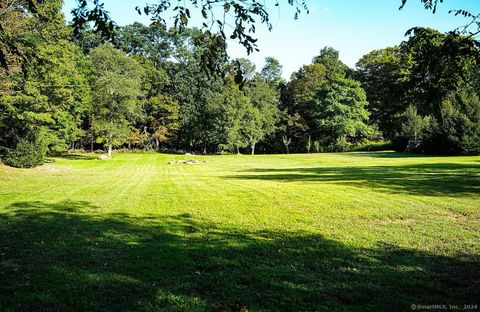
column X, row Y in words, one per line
column 151, row 89
column 115, row 88
column 27, row 153
column 45, row 92
column 424, row 92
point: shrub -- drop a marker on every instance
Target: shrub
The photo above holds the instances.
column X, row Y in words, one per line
column 340, row 145
column 373, row 146
column 460, row 123
column 415, row 130
column 455, row 132
column 26, row 154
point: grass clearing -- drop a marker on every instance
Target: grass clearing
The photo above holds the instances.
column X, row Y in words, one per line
column 345, row 231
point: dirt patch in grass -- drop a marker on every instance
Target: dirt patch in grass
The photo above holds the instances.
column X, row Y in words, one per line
column 49, row 168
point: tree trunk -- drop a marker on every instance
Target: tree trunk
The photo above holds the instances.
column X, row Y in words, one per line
column 253, row 149
column 288, row 151
column 110, row 141
column 238, row 150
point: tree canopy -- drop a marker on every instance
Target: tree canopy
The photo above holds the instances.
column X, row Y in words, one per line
column 116, row 86
column 238, row 21
column 156, row 88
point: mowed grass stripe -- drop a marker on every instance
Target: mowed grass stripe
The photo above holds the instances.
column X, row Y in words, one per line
column 346, row 231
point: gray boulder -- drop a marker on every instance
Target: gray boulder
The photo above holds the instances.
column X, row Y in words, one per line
column 102, row 157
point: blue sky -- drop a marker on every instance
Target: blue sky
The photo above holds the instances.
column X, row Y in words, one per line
column 354, row 27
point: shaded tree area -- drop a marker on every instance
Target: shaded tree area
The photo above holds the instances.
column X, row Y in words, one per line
column 325, row 104
column 45, row 91
column 434, row 76
column 149, row 89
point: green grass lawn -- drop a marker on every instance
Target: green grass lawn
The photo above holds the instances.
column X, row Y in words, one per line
column 349, row 231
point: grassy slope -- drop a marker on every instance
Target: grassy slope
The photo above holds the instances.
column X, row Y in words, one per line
column 285, row 232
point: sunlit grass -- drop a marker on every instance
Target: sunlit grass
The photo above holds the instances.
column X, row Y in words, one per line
column 284, row 232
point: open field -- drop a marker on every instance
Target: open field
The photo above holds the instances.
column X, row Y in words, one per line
column 265, row 233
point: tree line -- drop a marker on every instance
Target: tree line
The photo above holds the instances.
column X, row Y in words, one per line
column 155, row 88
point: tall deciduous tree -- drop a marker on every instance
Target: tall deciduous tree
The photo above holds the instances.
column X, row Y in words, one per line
column 297, row 98
column 272, row 71
column 246, row 67
column 439, row 64
column 51, row 95
column 329, row 57
column 197, row 91
column 264, row 113
column 383, row 74
column 116, row 88
column 162, row 113
column 237, row 114
column 151, row 41
column 340, row 113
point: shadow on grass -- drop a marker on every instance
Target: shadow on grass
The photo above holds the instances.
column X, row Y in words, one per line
column 55, row 257
column 78, row 156
column 424, row 179
column 389, row 154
